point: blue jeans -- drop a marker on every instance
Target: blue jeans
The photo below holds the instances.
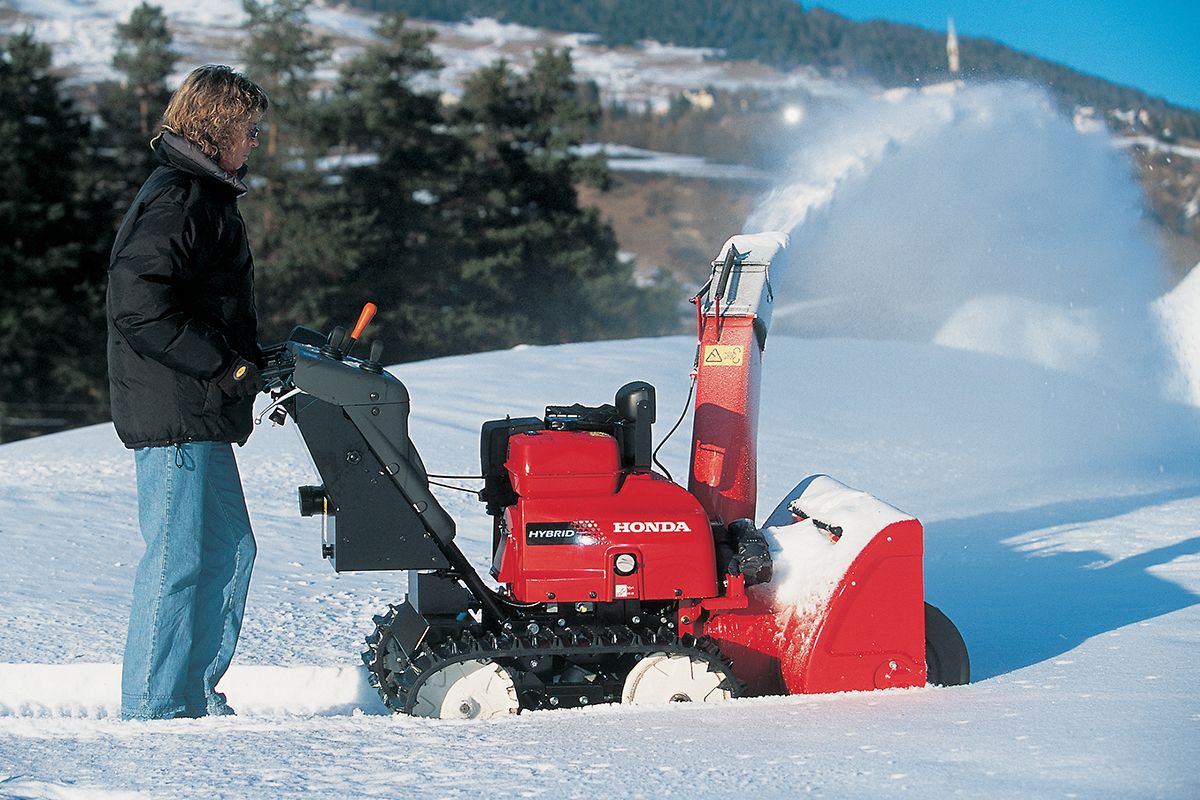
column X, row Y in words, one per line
column 190, row 589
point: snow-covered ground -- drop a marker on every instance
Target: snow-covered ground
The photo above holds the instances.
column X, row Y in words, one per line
column 646, row 76
column 1063, row 536
column 624, row 158
column 983, row 348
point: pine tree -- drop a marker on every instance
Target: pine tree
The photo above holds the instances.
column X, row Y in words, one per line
column 547, row 268
column 303, row 232
column 407, row 179
column 52, row 309
column 282, row 55
column 463, row 226
column 146, row 57
column 129, row 110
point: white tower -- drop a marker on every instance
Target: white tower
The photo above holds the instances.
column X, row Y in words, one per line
column 951, row 46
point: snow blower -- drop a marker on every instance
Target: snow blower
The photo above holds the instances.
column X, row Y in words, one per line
column 614, row 583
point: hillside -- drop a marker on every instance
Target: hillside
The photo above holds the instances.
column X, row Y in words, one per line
column 663, row 97
column 1163, row 138
column 987, row 179
column 783, row 34
column 1071, row 568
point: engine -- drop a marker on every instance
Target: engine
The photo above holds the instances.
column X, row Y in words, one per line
column 580, row 518
column 585, row 529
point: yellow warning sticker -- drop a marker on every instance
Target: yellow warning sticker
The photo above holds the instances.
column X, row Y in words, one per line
column 723, row 355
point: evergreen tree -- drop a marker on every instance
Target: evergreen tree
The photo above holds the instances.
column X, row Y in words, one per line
column 409, row 181
column 129, row 110
column 478, row 239
column 302, row 231
column 51, row 247
column 282, row 55
column 546, row 268
column 146, row 57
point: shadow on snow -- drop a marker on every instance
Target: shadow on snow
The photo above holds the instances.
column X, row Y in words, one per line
column 1018, row 608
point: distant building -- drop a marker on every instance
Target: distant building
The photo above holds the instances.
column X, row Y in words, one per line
column 951, row 46
column 701, row 99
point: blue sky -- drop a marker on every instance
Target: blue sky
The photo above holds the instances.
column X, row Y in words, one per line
column 1152, row 45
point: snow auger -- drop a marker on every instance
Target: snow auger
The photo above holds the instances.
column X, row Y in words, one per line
column 614, row 583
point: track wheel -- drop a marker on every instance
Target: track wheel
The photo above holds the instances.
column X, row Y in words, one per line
column 663, row 678
column 467, row 690
column 946, row 659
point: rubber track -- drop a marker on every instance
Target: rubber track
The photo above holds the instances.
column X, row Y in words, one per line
column 398, row 679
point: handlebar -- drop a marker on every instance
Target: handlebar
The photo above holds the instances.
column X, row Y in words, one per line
column 280, row 359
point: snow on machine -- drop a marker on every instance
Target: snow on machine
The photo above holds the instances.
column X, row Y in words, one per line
column 615, row 584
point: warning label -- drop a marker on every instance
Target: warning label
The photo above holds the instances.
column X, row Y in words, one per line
column 723, row 355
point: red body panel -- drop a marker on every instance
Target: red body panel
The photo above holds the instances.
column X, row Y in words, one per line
column 725, row 429
column 563, row 464
column 870, row 634
column 562, row 547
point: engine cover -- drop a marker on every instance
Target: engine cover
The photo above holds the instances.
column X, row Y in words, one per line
column 583, row 530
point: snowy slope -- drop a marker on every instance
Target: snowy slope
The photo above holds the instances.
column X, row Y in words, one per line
column 646, row 76
column 1063, row 535
column 984, row 348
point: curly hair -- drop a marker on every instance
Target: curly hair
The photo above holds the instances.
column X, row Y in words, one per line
column 213, row 108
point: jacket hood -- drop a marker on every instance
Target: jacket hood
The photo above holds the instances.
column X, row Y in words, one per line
column 176, row 151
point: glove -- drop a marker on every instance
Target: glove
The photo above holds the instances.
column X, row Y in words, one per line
column 241, row 379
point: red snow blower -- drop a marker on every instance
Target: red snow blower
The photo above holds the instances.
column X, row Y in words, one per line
column 615, row 584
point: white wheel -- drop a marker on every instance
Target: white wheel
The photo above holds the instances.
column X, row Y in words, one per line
column 467, row 690
column 662, row 678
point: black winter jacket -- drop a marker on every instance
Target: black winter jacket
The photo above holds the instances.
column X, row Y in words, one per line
column 180, row 304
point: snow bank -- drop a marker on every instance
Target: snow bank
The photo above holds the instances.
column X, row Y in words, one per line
column 624, row 158
column 94, row 690
column 23, row 788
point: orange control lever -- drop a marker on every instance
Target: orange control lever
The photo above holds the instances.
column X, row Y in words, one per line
column 368, row 311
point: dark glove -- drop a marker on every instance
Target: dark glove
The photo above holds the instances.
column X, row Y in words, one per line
column 241, row 379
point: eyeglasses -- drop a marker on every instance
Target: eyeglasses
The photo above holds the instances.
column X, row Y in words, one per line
column 253, row 134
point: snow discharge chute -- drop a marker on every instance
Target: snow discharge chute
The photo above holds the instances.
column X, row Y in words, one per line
column 845, row 607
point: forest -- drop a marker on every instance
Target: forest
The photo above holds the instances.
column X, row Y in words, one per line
column 461, row 221
column 783, row 34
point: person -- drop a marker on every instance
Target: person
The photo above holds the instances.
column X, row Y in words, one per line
column 183, row 360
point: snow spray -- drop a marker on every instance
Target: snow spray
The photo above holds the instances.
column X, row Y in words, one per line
column 979, row 217
column 975, row 217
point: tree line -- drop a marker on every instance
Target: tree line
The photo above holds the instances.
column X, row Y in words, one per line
column 783, row 34
column 460, row 220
